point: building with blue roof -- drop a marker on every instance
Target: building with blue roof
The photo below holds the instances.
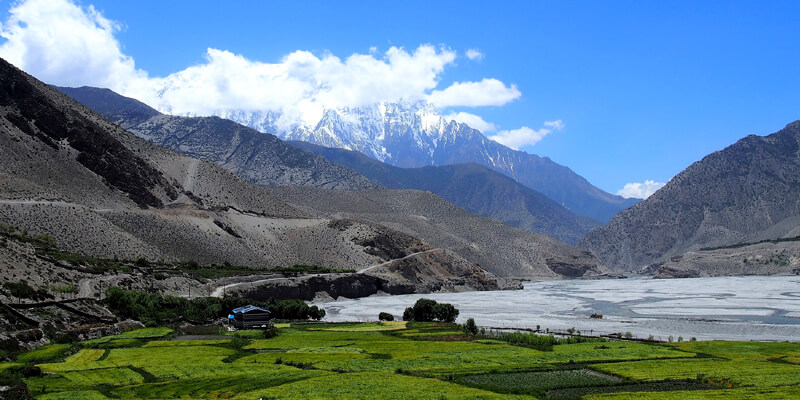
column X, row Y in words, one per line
column 249, row 317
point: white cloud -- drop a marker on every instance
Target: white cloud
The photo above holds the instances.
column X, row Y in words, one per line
column 554, row 125
column 66, row 44
column 301, row 82
column 472, row 120
column 525, row 136
column 474, row 54
column 62, row 43
column 640, row 190
column 488, row 92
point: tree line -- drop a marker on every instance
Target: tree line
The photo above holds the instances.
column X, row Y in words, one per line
column 155, row 309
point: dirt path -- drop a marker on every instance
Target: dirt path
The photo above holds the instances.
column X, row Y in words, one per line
column 55, row 204
column 220, row 290
column 396, row 259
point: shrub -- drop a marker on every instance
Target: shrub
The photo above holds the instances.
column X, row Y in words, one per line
column 470, row 327
column 21, row 290
column 384, row 316
column 238, row 343
column 64, row 289
column 541, row 342
column 31, row 372
column 270, row 332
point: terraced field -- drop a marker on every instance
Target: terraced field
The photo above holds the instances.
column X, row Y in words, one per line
column 408, row 361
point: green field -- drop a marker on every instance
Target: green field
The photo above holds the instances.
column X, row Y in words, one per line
column 403, row 361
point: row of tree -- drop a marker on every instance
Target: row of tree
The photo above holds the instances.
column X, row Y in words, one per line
column 428, row 310
column 155, row 308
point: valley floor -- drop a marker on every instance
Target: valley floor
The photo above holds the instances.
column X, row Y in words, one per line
column 399, row 360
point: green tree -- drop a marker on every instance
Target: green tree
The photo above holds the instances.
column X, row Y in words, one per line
column 470, row 327
column 384, row 316
column 427, row 310
column 445, row 312
column 408, row 314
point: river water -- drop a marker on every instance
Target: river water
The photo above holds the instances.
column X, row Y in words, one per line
column 729, row 308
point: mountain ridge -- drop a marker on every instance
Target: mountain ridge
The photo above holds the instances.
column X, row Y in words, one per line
column 260, row 158
column 95, row 190
column 746, row 192
column 474, row 187
column 306, row 236
column 412, row 134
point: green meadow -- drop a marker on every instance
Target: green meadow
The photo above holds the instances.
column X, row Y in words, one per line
column 398, row 360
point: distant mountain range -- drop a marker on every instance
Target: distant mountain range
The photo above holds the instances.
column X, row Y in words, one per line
column 259, row 158
column 71, row 178
column 737, row 211
column 266, row 160
column 475, row 188
column 97, row 189
column 746, row 193
column 412, row 134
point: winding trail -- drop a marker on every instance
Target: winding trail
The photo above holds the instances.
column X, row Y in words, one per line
column 396, row 259
column 220, row 290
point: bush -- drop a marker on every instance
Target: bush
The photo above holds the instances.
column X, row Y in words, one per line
column 384, row 316
column 31, row 372
column 541, row 342
column 270, row 332
column 470, row 327
column 238, row 343
column 21, row 290
column 427, row 310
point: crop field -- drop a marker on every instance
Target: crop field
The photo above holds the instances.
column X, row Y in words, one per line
column 402, row 361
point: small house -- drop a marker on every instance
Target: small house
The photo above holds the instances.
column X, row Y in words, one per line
column 249, row 317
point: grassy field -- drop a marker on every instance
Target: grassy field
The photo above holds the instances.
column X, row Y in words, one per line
column 402, row 361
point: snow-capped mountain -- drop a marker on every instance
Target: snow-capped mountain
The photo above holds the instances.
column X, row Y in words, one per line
column 414, row 134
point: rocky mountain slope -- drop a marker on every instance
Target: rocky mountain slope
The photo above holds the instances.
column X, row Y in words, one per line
column 747, row 192
column 260, row 158
column 490, row 238
column 98, row 190
column 403, row 134
column 776, row 257
column 95, row 189
column 475, row 188
column 412, row 134
column 496, row 247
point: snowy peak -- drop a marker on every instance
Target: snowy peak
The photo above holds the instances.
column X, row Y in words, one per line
column 380, row 130
column 412, row 133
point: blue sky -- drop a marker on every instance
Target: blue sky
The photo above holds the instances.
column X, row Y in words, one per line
column 643, row 89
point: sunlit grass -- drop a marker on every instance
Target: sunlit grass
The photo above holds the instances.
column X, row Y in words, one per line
column 395, row 360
